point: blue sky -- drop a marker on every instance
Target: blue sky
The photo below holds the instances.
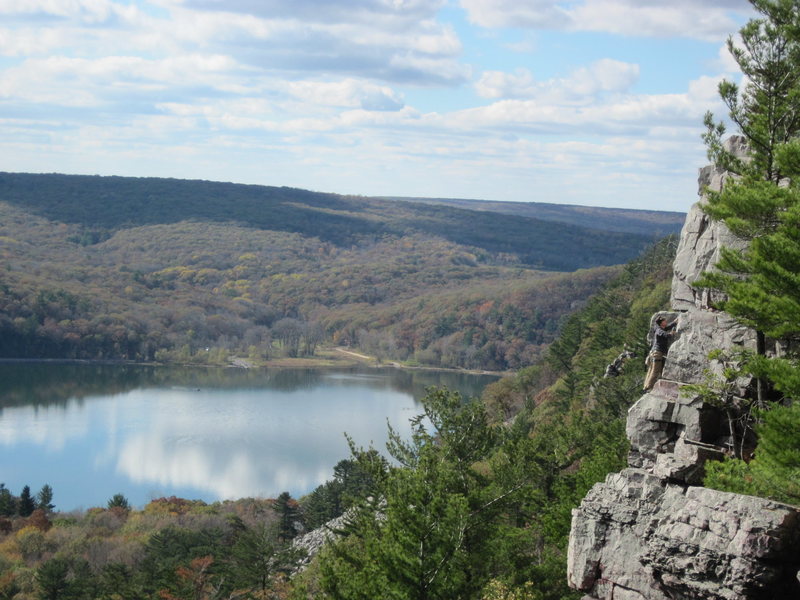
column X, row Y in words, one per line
column 594, row 102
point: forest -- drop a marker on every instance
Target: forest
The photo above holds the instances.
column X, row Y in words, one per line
column 105, row 205
column 196, row 272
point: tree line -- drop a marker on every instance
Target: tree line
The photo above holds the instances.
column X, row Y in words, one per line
column 172, row 548
column 24, row 504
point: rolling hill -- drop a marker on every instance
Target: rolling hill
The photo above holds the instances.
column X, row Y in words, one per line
column 644, row 222
column 143, row 269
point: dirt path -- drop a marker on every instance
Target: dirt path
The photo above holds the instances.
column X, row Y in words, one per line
column 355, row 354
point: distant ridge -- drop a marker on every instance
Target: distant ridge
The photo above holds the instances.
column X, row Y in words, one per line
column 105, row 205
column 624, row 220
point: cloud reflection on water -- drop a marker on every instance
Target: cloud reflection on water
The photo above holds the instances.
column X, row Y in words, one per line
column 210, row 438
column 51, row 427
column 250, row 443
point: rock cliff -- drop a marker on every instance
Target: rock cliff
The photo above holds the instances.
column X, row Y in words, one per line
column 651, row 532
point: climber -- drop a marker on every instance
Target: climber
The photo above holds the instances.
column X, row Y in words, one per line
column 662, row 332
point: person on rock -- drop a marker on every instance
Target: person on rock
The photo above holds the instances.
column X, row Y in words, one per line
column 662, row 333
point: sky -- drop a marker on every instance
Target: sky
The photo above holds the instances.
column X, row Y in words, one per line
column 590, row 102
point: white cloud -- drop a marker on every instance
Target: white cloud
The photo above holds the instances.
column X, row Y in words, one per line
column 387, row 40
column 392, row 40
column 544, row 14
column 346, row 93
column 384, row 13
column 66, row 81
column 498, row 84
column 705, row 90
column 608, row 75
column 710, row 19
column 553, row 108
column 581, row 86
column 29, row 41
column 726, row 63
column 317, row 134
column 90, row 11
column 411, row 68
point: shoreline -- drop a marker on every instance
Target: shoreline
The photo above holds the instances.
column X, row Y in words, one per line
column 329, row 360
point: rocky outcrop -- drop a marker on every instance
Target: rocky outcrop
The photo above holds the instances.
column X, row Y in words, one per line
column 636, row 537
column 651, row 532
column 312, row 542
column 701, row 239
column 699, row 332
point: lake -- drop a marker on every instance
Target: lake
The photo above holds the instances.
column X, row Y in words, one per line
column 93, row 430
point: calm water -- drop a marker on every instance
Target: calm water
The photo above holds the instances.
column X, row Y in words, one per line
column 91, row 431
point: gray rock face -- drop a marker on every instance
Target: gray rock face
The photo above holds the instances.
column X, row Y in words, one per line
column 698, row 333
column 672, row 434
column 315, row 540
column 698, row 251
column 701, row 238
column 636, row 537
column 649, row 532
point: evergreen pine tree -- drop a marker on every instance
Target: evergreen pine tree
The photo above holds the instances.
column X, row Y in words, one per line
column 777, row 461
column 116, row 580
column 289, row 517
column 51, row 578
column 767, row 110
column 350, row 484
column 44, row 499
column 7, row 504
column 258, row 559
column 26, row 503
column 775, row 470
column 428, row 536
column 768, row 298
column 758, row 206
column 767, row 113
column 118, row 501
column 252, row 558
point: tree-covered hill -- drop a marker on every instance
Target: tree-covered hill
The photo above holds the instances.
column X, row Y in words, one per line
column 645, row 222
column 143, row 269
column 172, row 290
column 103, row 205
